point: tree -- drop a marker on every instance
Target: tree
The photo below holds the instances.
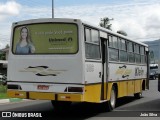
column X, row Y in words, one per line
column 122, row 32
column 7, row 46
column 152, row 59
column 2, row 56
column 105, row 22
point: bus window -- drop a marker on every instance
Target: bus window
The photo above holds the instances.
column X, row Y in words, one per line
column 131, row 55
column 136, row 48
column 110, row 41
column 92, row 47
column 130, row 46
column 95, row 36
column 142, row 50
column 113, row 54
column 123, row 51
column 47, row 38
column 138, row 58
column 88, row 35
column 123, row 57
column 92, row 51
column 137, row 53
column 115, row 42
column 143, row 59
column 123, row 44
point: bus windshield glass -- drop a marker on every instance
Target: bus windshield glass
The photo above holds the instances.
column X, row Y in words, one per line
column 46, row 38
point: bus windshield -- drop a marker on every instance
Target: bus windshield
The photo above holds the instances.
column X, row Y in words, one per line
column 46, row 38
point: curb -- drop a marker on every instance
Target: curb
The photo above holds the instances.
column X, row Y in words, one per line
column 15, row 100
column 4, row 101
column 10, row 100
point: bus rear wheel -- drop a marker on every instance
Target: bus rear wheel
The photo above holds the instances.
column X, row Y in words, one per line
column 111, row 104
column 61, row 105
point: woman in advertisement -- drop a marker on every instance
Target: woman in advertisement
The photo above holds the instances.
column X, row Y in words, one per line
column 25, row 45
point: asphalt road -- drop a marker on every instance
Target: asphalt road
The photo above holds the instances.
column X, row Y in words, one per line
column 130, row 107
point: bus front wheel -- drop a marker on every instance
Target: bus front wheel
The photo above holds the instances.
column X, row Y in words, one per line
column 138, row 95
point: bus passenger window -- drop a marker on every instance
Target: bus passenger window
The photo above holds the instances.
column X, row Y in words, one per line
column 136, row 48
column 123, row 45
column 130, row 46
column 123, row 51
column 110, row 41
column 87, row 35
column 113, row 54
column 115, row 42
column 131, row 57
column 138, row 58
column 123, row 56
column 92, row 51
column 142, row 50
column 143, row 59
column 95, row 36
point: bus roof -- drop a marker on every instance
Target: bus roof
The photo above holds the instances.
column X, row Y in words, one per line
column 114, row 33
column 75, row 20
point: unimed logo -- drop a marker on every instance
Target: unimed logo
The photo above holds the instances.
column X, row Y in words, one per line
column 6, row 114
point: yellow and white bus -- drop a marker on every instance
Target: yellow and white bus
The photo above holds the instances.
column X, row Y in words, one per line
column 68, row 60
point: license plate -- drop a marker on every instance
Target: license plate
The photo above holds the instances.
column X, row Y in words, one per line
column 42, row 87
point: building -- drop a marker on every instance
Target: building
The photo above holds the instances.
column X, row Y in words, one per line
column 6, row 51
column 4, row 63
column 154, row 48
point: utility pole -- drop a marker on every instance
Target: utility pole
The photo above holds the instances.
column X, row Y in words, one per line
column 52, row 8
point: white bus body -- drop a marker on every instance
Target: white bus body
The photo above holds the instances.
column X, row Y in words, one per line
column 63, row 66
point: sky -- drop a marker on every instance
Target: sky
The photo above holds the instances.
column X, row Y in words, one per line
column 140, row 19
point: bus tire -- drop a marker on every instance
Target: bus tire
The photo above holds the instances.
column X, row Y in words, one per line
column 61, row 105
column 138, row 95
column 111, row 104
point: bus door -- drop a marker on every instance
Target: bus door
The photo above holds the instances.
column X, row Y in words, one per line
column 104, row 75
column 147, row 56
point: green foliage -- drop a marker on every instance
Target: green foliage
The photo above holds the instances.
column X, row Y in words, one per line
column 151, row 55
column 3, row 92
column 3, row 89
column 2, row 56
column 3, row 95
column 105, row 22
column 7, row 46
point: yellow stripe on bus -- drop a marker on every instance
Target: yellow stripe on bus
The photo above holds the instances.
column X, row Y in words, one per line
column 42, row 95
column 92, row 93
column 16, row 94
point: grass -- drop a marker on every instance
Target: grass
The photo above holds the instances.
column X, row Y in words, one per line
column 3, row 90
column 3, row 94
